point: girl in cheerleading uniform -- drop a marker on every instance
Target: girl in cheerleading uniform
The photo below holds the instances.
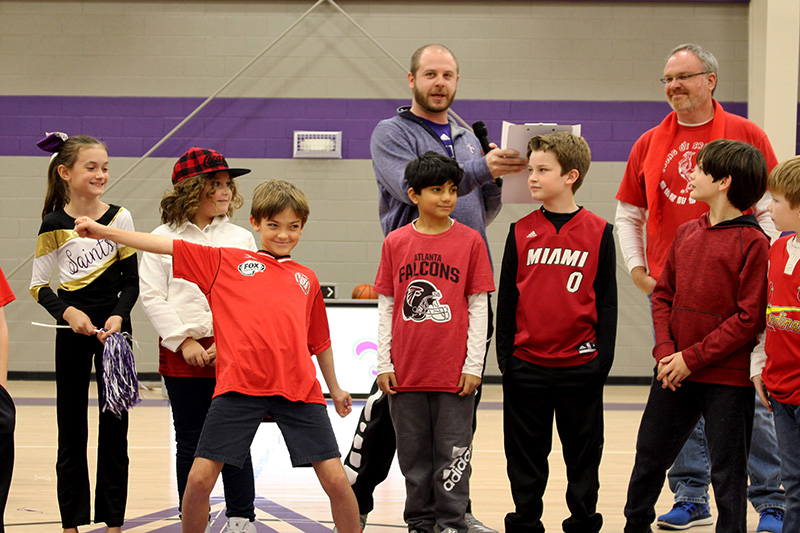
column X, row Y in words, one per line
column 204, row 195
column 98, row 286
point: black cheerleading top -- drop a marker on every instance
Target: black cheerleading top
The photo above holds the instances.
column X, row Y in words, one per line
column 93, row 275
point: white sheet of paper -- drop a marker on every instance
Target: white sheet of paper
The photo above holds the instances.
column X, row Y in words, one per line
column 516, row 136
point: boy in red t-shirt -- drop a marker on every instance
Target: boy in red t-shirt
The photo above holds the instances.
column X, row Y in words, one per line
column 780, row 351
column 269, row 318
column 431, row 344
column 556, row 327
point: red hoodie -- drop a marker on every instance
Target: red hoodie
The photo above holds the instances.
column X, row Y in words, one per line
column 710, row 299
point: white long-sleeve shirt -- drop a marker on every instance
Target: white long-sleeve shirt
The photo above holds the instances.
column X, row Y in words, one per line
column 177, row 308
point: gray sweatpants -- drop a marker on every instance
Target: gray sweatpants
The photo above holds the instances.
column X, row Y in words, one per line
column 434, row 447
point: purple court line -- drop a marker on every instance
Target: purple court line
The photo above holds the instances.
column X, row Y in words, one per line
column 43, row 402
column 131, row 523
column 297, row 520
column 284, row 514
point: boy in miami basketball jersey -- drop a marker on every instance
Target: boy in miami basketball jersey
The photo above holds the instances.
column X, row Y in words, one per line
column 556, row 327
column 433, row 283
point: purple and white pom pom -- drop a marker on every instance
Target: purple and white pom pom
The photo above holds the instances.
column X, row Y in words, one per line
column 120, row 382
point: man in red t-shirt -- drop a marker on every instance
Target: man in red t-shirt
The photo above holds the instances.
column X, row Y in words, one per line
column 654, row 196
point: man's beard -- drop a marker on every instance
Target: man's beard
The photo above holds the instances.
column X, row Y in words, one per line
column 422, row 100
column 690, row 102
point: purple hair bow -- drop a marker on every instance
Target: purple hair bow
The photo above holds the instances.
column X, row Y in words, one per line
column 53, row 142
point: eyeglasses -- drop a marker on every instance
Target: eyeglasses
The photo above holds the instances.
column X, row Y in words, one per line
column 681, row 77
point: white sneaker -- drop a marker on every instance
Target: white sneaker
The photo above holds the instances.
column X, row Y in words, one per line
column 476, row 526
column 239, row 525
column 362, row 520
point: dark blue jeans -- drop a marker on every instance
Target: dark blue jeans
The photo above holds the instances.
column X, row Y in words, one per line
column 689, row 475
column 190, row 399
column 668, row 419
column 787, row 426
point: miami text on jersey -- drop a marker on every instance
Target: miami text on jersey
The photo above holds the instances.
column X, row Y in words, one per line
column 556, row 256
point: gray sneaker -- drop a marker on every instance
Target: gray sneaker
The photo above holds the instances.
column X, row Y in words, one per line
column 239, row 525
column 476, row 526
column 362, row 520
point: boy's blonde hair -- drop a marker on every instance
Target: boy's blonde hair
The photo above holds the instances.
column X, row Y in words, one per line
column 272, row 197
column 181, row 203
column 785, row 180
column 571, row 151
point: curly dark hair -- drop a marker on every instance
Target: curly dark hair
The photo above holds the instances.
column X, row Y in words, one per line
column 181, row 203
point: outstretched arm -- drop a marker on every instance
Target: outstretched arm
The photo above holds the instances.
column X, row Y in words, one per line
column 157, row 244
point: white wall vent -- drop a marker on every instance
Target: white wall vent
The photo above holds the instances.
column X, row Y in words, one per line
column 318, row 144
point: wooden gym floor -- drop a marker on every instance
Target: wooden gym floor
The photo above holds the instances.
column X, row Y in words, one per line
column 291, row 500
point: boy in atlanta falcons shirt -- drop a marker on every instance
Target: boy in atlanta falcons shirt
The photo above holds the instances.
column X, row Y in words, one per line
column 433, row 282
column 556, row 326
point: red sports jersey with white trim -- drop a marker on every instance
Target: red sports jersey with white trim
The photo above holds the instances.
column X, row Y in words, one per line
column 430, row 278
column 557, row 309
column 269, row 318
column 782, row 372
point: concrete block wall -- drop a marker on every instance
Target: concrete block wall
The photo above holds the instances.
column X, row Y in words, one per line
column 128, row 71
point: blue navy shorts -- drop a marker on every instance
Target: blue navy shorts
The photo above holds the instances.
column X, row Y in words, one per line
column 233, row 420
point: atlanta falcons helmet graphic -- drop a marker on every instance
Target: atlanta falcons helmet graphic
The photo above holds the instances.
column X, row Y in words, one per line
column 422, row 303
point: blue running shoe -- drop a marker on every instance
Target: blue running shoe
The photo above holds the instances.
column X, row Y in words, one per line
column 771, row 520
column 685, row 515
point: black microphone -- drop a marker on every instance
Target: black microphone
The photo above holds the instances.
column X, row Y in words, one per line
column 480, row 131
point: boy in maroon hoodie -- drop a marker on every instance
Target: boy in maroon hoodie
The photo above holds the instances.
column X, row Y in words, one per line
column 708, row 308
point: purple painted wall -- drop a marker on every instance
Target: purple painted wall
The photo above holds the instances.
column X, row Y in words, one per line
column 262, row 128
